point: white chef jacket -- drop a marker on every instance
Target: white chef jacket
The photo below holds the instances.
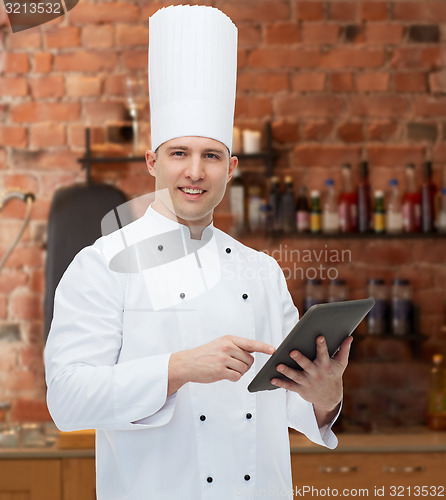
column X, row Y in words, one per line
column 107, row 359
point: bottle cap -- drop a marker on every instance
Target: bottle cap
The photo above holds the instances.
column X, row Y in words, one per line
column 393, row 182
column 401, row 281
column 314, row 194
column 329, row 182
column 379, row 194
column 376, row 281
column 288, row 179
column 314, row 281
column 443, row 190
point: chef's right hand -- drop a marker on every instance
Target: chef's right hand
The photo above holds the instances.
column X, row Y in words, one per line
column 226, row 357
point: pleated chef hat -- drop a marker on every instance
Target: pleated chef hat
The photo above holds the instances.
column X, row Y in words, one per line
column 192, row 74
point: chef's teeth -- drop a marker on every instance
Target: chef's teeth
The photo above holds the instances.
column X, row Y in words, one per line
column 192, row 191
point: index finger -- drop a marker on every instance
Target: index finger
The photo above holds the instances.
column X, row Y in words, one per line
column 251, row 345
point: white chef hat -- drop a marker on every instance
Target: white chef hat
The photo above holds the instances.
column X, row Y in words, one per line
column 192, row 74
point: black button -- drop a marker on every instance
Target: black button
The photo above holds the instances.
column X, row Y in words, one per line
column 245, row 296
column 247, row 477
column 248, row 416
column 160, row 247
column 209, row 479
column 182, row 295
column 228, row 250
column 203, row 418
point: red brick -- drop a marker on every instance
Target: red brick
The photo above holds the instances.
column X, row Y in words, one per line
column 429, row 10
column 96, row 37
column 351, row 132
column 410, row 81
column 343, row 58
column 249, row 34
column 3, row 307
column 262, row 82
column 11, row 280
column 310, row 11
column 83, row 60
column 344, row 11
column 394, row 155
column 326, row 155
column 382, row 130
column 242, row 58
column 127, row 35
column 29, row 112
column 76, row 135
column 104, row 111
column 21, row 381
column 372, row 82
column 317, row 130
column 311, row 82
column 419, row 58
column 284, row 58
column 265, row 11
column 115, row 85
column 284, row 132
column 13, row 136
column 309, row 106
column 26, row 410
column 430, row 106
column 43, row 62
column 106, row 13
column 28, row 182
column 25, row 40
column 342, row 82
column 51, row 182
column 373, row 11
column 47, row 134
column 437, row 82
column 62, row 37
column 439, row 153
column 16, row 62
column 2, row 158
column 320, row 33
column 253, row 107
column 47, row 86
column 37, row 281
column 282, row 33
column 384, row 33
column 45, row 160
column 82, row 85
column 386, row 105
column 135, row 59
column 13, row 86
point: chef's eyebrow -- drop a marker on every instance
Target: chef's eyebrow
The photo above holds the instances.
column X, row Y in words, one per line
column 185, row 148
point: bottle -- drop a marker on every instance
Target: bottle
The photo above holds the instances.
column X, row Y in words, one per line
column 364, row 205
column 330, row 217
column 314, row 293
column 255, row 203
column 436, row 419
column 348, row 203
column 274, row 203
column 402, row 309
column 441, row 216
column 411, row 203
column 379, row 213
column 394, row 216
column 428, row 192
column 316, row 213
column 337, row 290
column 302, row 211
column 377, row 318
column 288, row 206
column 237, row 201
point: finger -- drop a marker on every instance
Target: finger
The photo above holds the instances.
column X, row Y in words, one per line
column 242, row 356
column 296, row 376
column 306, row 365
column 322, row 351
column 344, row 351
column 251, row 345
column 285, row 384
column 237, row 366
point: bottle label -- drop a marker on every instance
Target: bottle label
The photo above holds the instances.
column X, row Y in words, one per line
column 302, row 220
column 378, row 222
column 315, row 222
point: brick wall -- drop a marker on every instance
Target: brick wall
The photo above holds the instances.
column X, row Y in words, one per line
column 339, row 80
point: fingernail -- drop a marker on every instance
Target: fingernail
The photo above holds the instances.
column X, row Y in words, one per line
column 280, row 368
column 293, row 354
column 322, row 340
column 274, row 381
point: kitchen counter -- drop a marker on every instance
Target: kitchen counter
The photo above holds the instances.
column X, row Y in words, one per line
column 44, row 453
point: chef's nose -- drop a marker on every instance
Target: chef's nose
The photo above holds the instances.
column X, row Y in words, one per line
column 195, row 169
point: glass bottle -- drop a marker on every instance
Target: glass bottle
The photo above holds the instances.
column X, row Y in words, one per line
column 316, row 213
column 436, row 419
column 402, row 309
column 337, row 290
column 330, row 217
column 348, row 203
column 255, row 203
column 377, row 318
column 314, row 293
column 379, row 224
column 394, row 216
column 441, row 218
column 237, row 201
column 411, row 203
column 288, row 206
column 302, row 211
column 364, row 204
column 274, row 203
column 428, row 193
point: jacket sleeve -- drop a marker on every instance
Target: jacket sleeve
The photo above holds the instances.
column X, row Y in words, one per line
column 88, row 388
column 300, row 413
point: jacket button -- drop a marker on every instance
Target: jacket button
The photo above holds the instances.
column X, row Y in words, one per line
column 228, row 250
column 247, row 477
column 245, row 296
column 248, row 416
column 209, row 479
column 202, row 418
column 160, row 247
column 182, row 295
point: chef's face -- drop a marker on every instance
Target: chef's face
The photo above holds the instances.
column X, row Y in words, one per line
column 195, row 171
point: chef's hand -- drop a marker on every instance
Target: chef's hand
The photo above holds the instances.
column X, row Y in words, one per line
column 226, row 357
column 320, row 381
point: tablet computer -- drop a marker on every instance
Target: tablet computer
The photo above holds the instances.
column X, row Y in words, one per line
column 335, row 321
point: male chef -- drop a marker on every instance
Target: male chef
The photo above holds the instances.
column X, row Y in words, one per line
column 160, row 326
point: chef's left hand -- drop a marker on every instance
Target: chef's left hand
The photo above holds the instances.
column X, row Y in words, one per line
column 320, row 381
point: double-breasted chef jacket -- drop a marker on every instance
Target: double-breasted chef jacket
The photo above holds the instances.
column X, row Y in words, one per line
column 107, row 359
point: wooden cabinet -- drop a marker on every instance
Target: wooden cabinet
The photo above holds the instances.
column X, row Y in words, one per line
column 78, row 479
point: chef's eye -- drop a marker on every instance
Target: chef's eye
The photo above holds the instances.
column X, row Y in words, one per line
column 212, row 156
column 178, row 153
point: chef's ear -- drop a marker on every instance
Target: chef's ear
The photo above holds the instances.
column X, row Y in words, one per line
column 150, row 161
column 233, row 162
